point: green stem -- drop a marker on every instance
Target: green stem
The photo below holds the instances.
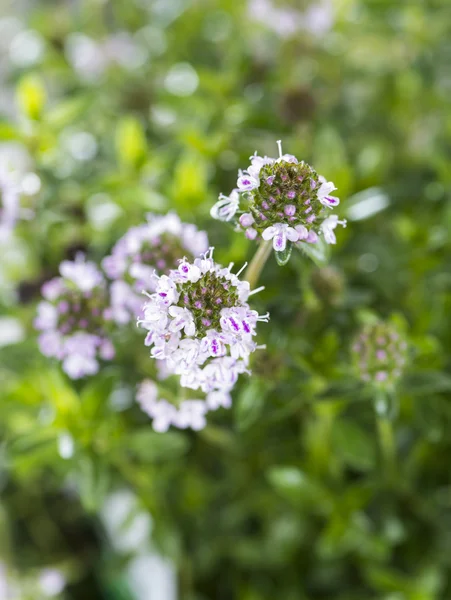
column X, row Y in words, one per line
column 387, row 442
column 257, row 263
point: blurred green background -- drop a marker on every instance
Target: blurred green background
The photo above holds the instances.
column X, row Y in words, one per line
column 129, row 106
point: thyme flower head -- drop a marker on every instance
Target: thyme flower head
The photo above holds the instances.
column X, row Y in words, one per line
column 199, row 322
column 73, row 318
column 286, row 201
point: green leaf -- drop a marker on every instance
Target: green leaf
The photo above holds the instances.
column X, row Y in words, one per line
column 66, row 112
column 353, row 445
column 283, row 257
column 318, row 252
column 147, row 445
column 297, row 487
column 31, row 96
column 93, row 482
column 250, row 404
column 131, row 145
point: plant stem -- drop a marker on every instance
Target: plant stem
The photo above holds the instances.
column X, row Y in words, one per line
column 257, row 263
column 387, row 443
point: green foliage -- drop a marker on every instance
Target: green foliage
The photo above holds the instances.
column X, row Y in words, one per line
column 310, row 487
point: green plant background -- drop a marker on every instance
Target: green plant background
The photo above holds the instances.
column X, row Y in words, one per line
column 287, row 494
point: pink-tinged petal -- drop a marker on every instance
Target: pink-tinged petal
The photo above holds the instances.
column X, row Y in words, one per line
column 312, row 238
column 289, row 158
column 246, row 220
column 302, row 232
column 292, row 234
column 279, row 242
column 269, row 233
column 250, row 233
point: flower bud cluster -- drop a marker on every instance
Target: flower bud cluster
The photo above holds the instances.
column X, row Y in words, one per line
column 73, row 318
column 380, row 354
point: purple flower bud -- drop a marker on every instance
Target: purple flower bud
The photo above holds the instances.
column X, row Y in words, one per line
column 312, row 238
column 251, row 233
column 246, row 220
column 289, row 210
column 291, row 194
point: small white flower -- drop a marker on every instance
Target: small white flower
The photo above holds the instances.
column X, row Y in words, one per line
column 328, row 226
column 191, row 414
column 182, row 320
column 147, row 395
column 84, row 274
column 79, row 365
column 279, row 234
column 166, row 291
column 218, row 399
column 226, row 207
column 155, row 316
column 47, row 317
column 257, row 162
column 188, row 271
column 302, row 231
column 213, row 343
column 246, row 183
column 185, row 356
column 324, row 193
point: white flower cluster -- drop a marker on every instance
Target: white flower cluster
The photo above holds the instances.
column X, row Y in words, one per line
column 152, row 247
column 288, row 202
column 188, row 414
column 200, row 324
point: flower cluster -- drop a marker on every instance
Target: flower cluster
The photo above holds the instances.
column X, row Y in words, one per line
column 288, row 202
column 199, row 322
column 187, row 414
column 379, row 354
column 73, row 318
column 153, row 247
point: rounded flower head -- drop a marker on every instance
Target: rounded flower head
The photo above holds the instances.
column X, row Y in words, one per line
column 287, row 202
column 73, row 316
column 143, row 251
column 380, row 353
column 199, row 322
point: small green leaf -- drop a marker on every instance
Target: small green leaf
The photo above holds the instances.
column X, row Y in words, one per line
column 318, row 252
column 131, row 145
column 250, row 404
column 354, row 445
column 31, row 96
column 283, row 257
column 148, row 445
